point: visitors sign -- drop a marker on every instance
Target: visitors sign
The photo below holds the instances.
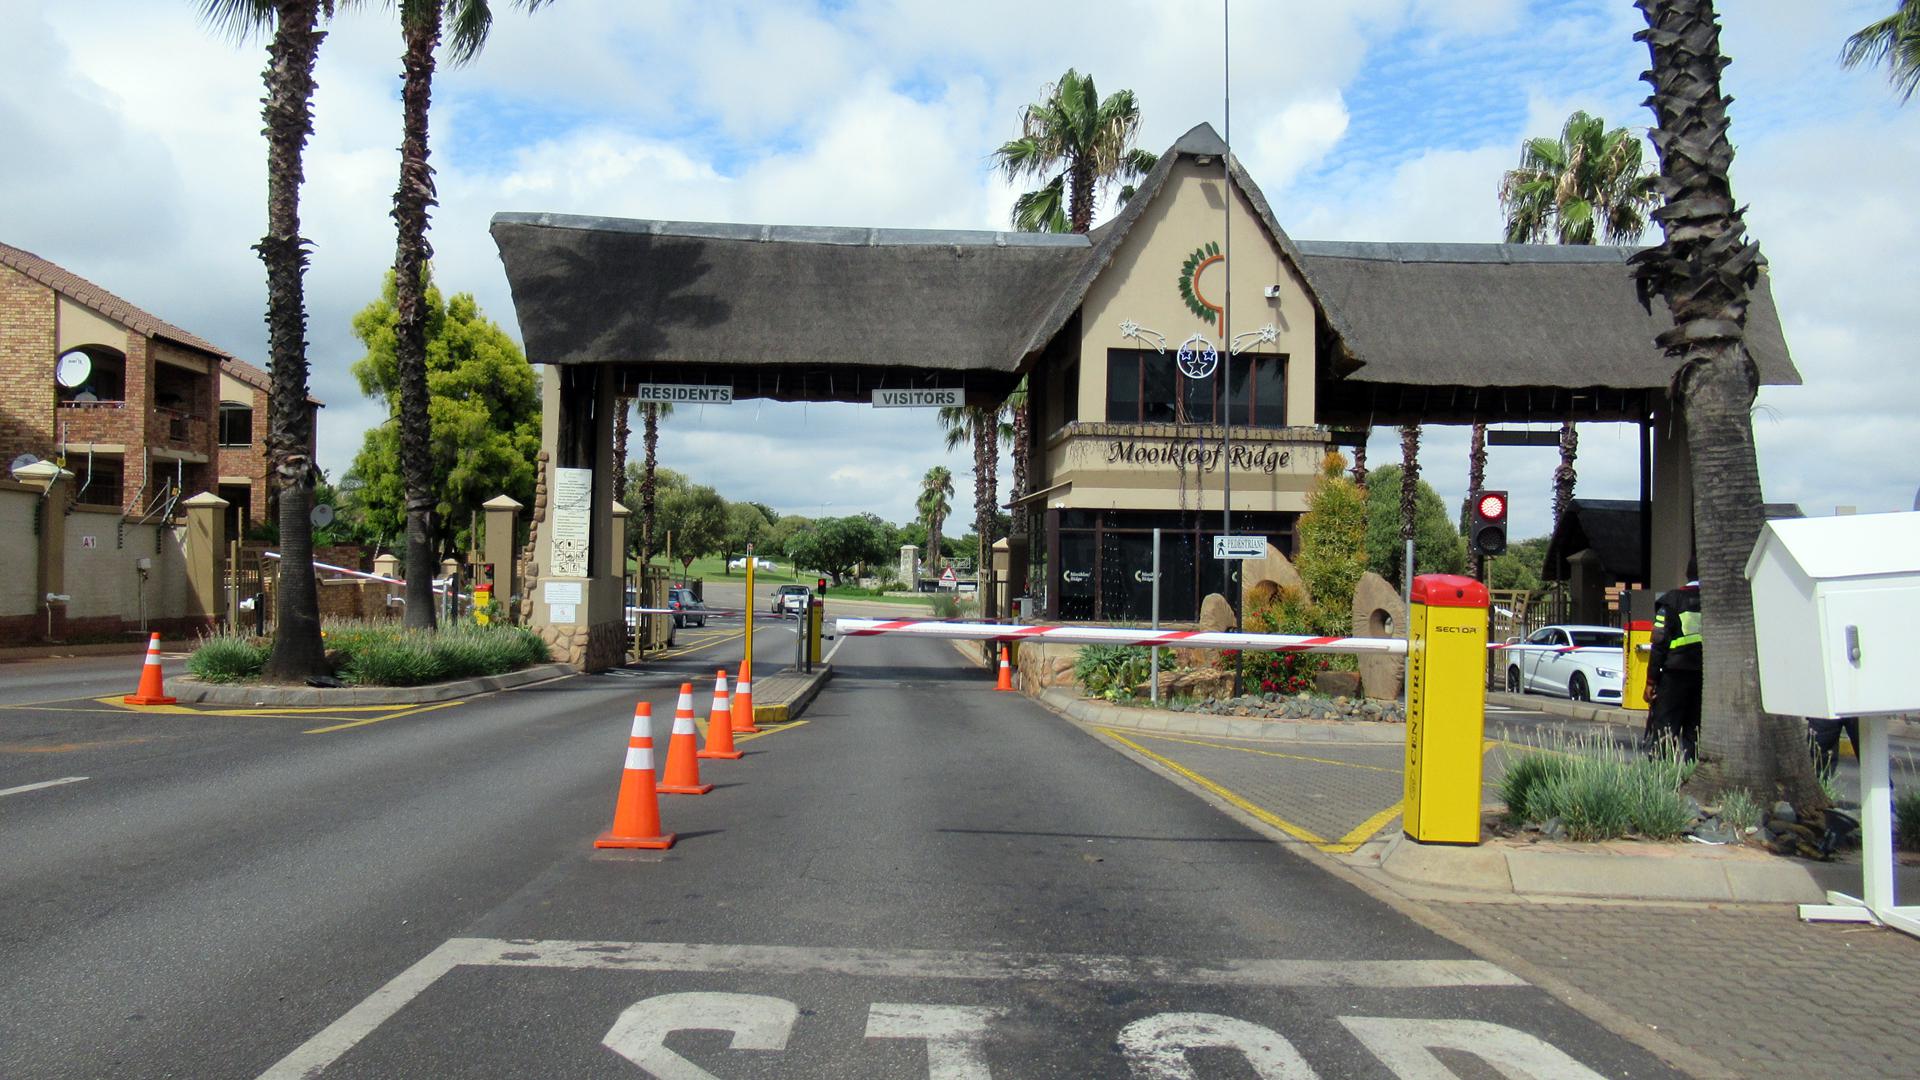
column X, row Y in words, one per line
column 1239, row 547
column 682, row 394
column 939, row 397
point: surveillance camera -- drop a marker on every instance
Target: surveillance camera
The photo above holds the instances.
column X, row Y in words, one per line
column 1273, row 292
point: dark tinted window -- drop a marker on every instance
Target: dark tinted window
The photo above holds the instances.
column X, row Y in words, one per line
column 1606, row 639
column 1269, row 392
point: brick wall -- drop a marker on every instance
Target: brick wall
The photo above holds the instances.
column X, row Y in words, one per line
column 250, row 461
column 26, row 365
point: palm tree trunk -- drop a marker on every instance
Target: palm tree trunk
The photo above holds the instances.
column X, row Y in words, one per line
column 1563, row 474
column 1705, row 270
column 650, row 438
column 986, row 466
column 421, row 29
column 1360, row 464
column 622, row 432
column 1080, row 196
column 1477, row 479
column 298, row 652
column 1022, row 457
column 1409, row 486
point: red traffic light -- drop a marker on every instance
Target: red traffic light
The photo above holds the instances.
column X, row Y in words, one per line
column 820, row 584
column 1487, row 534
column 1492, row 506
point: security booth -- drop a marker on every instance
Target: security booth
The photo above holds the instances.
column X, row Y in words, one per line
column 1833, row 609
column 1446, row 709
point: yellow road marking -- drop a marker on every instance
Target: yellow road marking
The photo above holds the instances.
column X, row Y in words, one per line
column 1268, row 753
column 697, row 648
column 377, row 719
column 249, row 710
column 788, row 726
column 1359, row 835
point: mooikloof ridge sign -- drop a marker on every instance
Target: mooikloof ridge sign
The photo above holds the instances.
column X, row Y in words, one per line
column 1201, row 457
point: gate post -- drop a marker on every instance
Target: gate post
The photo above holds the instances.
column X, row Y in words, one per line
column 502, row 513
column 206, row 547
column 1446, row 708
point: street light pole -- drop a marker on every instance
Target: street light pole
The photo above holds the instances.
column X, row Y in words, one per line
column 1226, row 317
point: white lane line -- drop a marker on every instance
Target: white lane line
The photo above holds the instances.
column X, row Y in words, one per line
column 313, row 1056
column 23, row 788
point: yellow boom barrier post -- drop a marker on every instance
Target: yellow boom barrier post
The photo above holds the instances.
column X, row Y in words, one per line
column 1636, row 650
column 1446, row 708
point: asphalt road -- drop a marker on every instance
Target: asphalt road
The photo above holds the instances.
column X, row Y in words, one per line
column 925, row 878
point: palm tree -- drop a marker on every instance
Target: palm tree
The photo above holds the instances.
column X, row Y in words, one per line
column 467, row 23
column 1015, row 429
column 1894, row 42
column 1409, row 487
column 1078, row 144
column 1564, row 475
column 650, row 415
column 1477, row 479
column 935, row 503
column 980, row 425
column 1705, row 270
column 1587, row 182
column 292, row 49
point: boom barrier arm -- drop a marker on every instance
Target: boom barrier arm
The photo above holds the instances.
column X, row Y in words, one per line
column 1116, row 635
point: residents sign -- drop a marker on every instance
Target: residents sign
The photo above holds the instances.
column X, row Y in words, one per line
column 948, row 397
column 682, row 394
column 1239, row 547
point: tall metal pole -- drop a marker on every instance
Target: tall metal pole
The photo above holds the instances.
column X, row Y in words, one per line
column 1153, row 657
column 1226, row 316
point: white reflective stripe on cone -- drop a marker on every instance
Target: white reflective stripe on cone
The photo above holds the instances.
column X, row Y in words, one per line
column 640, row 757
column 642, row 725
column 683, row 723
column 685, row 703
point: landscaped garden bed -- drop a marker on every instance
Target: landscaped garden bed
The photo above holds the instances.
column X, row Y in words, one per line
column 383, row 654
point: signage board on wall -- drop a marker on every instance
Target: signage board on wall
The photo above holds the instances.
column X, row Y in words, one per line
column 682, row 394
column 940, row 397
column 572, row 521
column 1239, row 547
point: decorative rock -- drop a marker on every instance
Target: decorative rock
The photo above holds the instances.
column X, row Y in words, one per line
column 1216, row 615
column 1378, row 612
column 1784, row 811
column 1341, row 685
column 1265, row 578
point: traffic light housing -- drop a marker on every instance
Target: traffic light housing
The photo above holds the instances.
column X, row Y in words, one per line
column 820, row 586
column 1487, row 524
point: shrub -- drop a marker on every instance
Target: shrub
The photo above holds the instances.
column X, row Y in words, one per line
column 945, row 606
column 223, row 658
column 1906, row 814
column 1112, row 671
column 1738, row 809
column 1597, row 790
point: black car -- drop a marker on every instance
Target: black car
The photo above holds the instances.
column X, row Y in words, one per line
column 687, row 608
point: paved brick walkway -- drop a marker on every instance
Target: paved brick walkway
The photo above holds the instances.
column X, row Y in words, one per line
column 1753, row 989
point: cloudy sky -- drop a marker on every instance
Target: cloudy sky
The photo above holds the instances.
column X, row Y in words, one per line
column 134, row 158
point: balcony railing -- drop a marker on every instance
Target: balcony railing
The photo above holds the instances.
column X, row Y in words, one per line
column 184, row 428
column 93, row 422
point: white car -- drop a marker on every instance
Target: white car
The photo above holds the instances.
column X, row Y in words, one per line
column 1578, row 662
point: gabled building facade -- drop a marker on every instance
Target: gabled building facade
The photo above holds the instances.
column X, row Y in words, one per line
column 141, row 411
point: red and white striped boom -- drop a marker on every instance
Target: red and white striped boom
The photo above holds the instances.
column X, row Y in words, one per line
column 1119, row 635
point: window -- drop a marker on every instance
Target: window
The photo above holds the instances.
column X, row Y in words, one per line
column 236, row 424
column 1146, row 387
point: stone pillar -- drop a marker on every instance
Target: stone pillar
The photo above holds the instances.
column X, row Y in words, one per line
column 387, row 565
column 1587, row 587
column 1672, row 501
column 206, row 553
column 50, row 561
column 909, row 565
column 581, row 615
column 502, row 514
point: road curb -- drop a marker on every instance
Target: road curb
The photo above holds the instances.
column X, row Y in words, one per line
column 190, row 690
column 780, row 712
column 103, row 648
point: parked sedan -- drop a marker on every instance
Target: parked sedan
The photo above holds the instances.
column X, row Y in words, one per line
column 1578, row 662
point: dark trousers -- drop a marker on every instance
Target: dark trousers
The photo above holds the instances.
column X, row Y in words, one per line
column 1825, row 735
column 1675, row 716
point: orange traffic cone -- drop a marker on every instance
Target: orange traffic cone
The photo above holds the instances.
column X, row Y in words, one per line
column 720, row 722
column 1006, row 670
column 636, row 817
column 152, row 690
column 683, row 746
column 743, row 701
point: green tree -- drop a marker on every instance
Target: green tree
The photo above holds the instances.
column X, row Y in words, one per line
column 696, row 515
column 292, row 50
column 1587, row 182
column 483, row 419
column 747, row 524
column 836, row 545
column 1519, row 566
column 1893, row 43
column 1333, row 542
column 1078, row 144
column 935, row 503
column 780, row 540
column 650, row 416
column 1705, row 270
column 1437, row 545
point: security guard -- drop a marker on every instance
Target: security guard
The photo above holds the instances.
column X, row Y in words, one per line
column 1673, row 672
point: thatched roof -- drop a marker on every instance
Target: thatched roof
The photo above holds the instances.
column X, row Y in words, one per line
column 1490, row 315
column 1611, row 529
column 1527, row 332
column 592, row 290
